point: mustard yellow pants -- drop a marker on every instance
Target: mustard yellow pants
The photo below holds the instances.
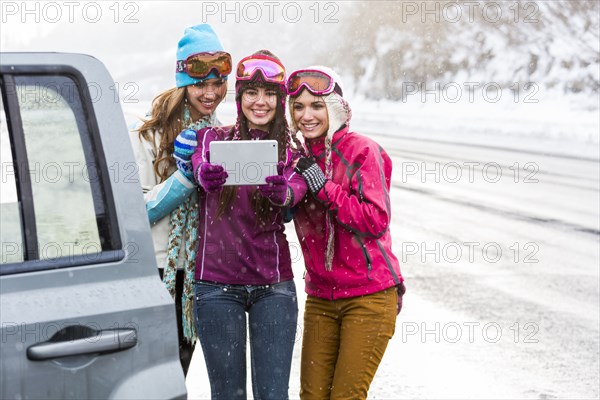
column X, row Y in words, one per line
column 343, row 344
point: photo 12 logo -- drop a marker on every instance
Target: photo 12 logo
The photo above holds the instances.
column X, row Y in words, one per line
column 94, row 331
column 53, row 12
column 68, row 90
column 69, row 171
column 471, row 92
column 492, row 12
column 249, row 172
column 468, row 172
column 81, row 250
column 269, row 11
column 469, row 332
column 470, row 252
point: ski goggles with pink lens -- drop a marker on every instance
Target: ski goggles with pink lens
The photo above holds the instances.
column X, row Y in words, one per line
column 317, row 82
column 271, row 69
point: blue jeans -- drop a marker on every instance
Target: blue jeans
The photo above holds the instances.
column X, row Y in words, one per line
column 220, row 314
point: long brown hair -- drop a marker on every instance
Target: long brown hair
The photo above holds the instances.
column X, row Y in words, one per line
column 278, row 130
column 166, row 120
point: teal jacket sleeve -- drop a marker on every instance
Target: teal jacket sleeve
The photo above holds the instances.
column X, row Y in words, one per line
column 165, row 197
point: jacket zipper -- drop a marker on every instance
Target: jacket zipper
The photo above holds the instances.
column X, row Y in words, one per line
column 367, row 257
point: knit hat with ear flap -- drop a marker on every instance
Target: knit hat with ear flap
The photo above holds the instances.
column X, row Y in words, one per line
column 338, row 110
column 339, row 115
column 258, row 80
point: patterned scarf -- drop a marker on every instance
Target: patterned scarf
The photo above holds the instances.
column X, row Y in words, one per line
column 340, row 113
column 183, row 222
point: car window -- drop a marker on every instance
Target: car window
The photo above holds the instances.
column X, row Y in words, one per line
column 60, row 177
column 11, row 235
column 57, row 198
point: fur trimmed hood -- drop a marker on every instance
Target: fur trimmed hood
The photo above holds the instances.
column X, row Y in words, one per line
column 339, row 115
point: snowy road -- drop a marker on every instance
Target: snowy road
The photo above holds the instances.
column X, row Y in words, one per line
column 502, row 255
column 500, row 250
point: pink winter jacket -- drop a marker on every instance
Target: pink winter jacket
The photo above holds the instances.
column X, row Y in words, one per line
column 358, row 196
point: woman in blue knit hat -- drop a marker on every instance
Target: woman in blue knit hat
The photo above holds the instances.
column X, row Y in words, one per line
column 171, row 199
column 244, row 279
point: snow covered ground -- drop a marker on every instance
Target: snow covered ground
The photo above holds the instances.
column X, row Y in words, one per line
column 496, row 198
column 497, row 225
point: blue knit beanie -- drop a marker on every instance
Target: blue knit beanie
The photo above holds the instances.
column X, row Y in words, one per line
column 196, row 39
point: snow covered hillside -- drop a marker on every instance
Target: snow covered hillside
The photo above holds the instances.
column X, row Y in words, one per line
column 551, row 44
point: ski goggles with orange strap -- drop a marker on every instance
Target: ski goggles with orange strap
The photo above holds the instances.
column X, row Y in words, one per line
column 317, row 82
column 272, row 70
column 200, row 65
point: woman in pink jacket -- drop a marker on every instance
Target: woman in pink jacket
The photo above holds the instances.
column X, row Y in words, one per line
column 353, row 279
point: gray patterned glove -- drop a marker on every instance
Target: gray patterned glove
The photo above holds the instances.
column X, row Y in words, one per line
column 401, row 289
column 312, row 174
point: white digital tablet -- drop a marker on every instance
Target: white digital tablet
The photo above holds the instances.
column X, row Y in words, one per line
column 247, row 162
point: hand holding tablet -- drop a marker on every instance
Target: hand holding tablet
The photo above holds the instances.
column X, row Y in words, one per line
column 247, row 162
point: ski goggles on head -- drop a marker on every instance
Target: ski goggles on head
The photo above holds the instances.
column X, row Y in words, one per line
column 200, row 65
column 317, row 82
column 271, row 69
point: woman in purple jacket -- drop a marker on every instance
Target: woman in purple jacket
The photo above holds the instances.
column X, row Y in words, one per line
column 353, row 279
column 243, row 265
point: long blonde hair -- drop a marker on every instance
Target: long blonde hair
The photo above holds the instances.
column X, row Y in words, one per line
column 166, row 120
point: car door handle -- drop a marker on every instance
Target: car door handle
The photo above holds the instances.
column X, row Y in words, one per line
column 64, row 345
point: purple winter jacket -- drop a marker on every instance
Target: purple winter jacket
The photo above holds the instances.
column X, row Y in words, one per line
column 235, row 249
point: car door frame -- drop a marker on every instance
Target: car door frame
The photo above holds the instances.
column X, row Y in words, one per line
column 119, row 287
